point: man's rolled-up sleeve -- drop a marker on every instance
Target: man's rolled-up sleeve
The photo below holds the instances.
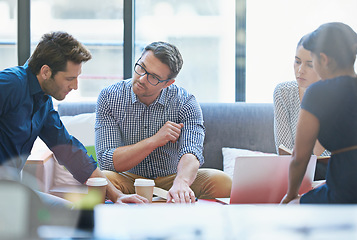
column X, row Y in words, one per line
column 107, row 134
column 193, row 132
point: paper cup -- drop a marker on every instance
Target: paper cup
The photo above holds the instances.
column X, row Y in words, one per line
column 145, row 188
column 97, row 187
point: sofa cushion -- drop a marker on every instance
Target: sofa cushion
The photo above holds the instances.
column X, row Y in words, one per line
column 81, row 126
column 76, row 108
column 236, row 125
column 230, row 155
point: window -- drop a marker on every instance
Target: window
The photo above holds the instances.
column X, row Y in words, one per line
column 98, row 25
column 204, row 32
column 256, row 38
column 8, row 26
column 273, row 30
column 195, row 27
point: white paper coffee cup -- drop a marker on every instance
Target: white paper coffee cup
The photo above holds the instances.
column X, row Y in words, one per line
column 97, row 187
column 145, row 188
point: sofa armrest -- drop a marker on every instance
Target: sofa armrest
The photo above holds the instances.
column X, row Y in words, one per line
column 39, row 169
column 40, row 173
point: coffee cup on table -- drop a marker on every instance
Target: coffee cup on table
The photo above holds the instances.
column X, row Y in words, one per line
column 145, row 188
column 97, row 187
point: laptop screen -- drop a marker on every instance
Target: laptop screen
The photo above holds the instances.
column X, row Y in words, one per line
column 264, row 179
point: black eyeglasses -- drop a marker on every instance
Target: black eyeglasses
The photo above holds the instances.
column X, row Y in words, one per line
column 153, row 80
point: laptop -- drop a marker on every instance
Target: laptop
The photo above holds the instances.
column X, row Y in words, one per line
column 264, row 179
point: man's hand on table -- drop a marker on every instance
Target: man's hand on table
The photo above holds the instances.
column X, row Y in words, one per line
column 180, row 192
column 131, row 198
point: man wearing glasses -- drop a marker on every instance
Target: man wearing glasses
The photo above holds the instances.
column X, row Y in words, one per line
column 147, row 127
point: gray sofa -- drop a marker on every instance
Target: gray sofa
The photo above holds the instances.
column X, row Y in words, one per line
column 235, row 125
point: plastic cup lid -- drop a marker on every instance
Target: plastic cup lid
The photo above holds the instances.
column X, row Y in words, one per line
column 144, row 182
column 97, row 181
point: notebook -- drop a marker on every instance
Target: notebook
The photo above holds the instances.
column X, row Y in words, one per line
column 264, row 179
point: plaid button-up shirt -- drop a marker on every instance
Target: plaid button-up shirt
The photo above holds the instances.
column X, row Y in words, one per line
column 123, row 120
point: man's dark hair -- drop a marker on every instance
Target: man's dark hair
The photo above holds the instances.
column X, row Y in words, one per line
column 55, row 49
column 167, row 54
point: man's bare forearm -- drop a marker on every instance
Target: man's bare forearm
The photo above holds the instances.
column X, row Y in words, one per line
column 127, row 157
column 187, row 168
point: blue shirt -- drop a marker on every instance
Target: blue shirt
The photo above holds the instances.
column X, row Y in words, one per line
column 26, row 113
column 123, row 120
